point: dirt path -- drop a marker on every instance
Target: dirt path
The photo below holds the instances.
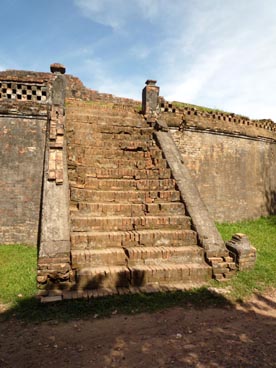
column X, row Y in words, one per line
column 213, row 337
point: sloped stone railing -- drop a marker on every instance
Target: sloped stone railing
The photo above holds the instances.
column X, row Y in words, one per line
column 216, row 253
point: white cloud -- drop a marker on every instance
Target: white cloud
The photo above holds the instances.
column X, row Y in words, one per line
column 102, row 11
column 213, row 52
column 232, row 61
column 119, row 13
column 114, row 13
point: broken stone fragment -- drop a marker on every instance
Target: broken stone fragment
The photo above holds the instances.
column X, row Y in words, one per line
column 242, row 251
column 57, row 68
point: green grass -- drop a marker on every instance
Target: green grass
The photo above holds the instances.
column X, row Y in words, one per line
column 262, row 235
column 18, row 271
column 181, row 105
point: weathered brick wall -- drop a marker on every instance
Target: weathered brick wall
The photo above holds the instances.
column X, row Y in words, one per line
column 24, row 98
column 21, row 162
column 231, row 158
column 235, row 175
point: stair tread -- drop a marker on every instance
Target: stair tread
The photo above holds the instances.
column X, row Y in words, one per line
column 126, row 191
column 142, row 267
column 100, row 209
column 98, row 251
column 179, row 249
column 176, row 204
column 114, row 217
column 101, row 269
column 139, row 231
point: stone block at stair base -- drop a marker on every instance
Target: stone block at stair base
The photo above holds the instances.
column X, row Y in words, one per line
column 242, row 251
column 53, row 269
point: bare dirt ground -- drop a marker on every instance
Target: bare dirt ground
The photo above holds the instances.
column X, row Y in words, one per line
column 240, row 336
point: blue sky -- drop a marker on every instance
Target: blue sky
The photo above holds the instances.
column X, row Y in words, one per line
column 217, row 53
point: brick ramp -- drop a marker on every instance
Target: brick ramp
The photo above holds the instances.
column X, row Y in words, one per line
column 128, row 224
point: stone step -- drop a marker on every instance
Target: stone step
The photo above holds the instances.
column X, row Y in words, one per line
column 111, row 153
column 96, row 137
column 88, row 223
column 156, row 238
column 126, row 173
column 105, row 122
column 126, row 184
column 120, row 196
column 141, row 275
column 98, row 257
column 157, row 255
column 129, row 209
column 81, row 174
column 103, row 276
column 134, row 256
column 104, row 131
column 132, row 143
column 115, row 163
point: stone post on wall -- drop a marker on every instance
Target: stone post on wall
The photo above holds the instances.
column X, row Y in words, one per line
column 54, row 247
column 150, row 96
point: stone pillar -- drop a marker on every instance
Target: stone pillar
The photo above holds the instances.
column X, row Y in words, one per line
column 150, row 98
column 54, row 247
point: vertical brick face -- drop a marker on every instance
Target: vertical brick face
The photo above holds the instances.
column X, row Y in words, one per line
column 22, row 143
column 235, row 176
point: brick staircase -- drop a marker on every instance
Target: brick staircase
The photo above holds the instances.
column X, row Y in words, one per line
column 128, row 223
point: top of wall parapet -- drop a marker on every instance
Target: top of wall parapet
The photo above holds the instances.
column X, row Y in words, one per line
column 191, row 118
column 32, row 88
column 24, row 93
column 25, row 76
column 17, row 86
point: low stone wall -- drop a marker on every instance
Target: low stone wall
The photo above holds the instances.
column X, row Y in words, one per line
column 235, row 176
column 231, row 159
